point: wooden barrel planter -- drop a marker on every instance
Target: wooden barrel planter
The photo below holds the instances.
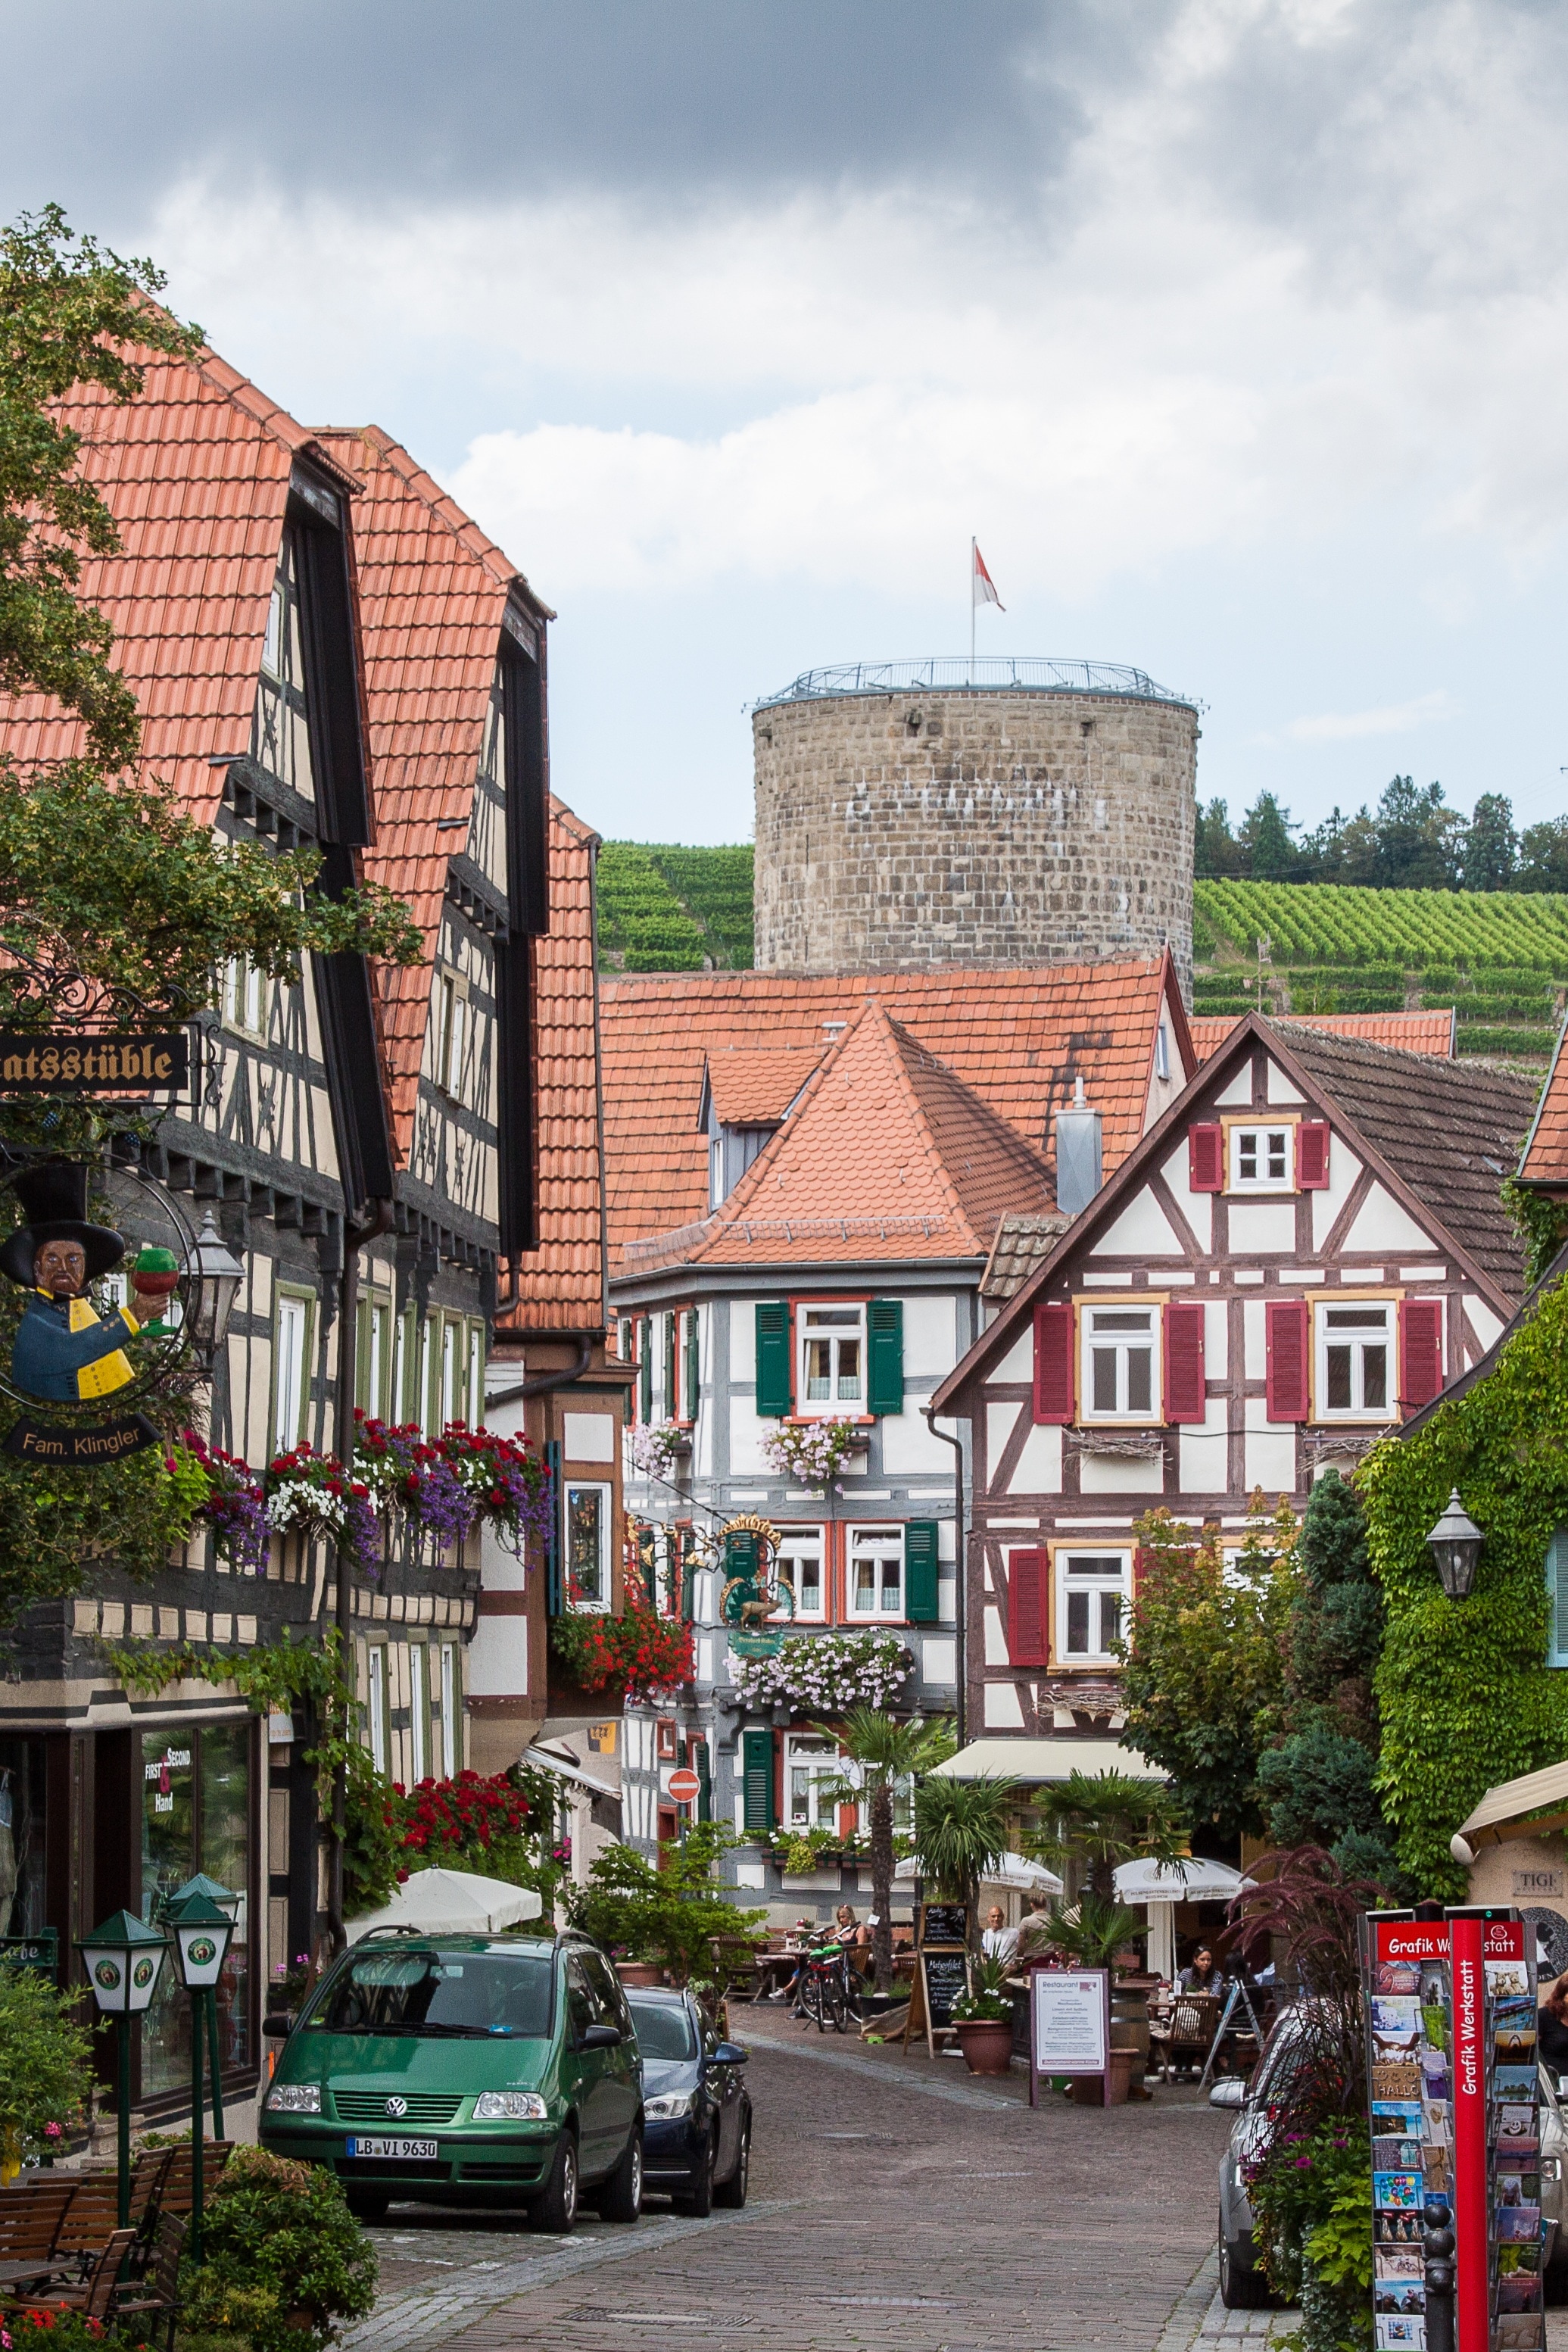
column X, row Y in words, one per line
column 638, row 1972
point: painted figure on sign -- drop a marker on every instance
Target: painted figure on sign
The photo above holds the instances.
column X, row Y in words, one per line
column 65, row 1351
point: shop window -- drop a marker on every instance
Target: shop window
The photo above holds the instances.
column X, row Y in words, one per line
column 21, row 1837
column 874, row 1582
column 1121, row 1351
column 195, row 1816
column 588, row 1511
column 813, row 1768
column 1353, row 1359
column 800, row 1567
column 1260, row 1159
column 1091, row 1604
column 290, row 1367
column 831, row 1370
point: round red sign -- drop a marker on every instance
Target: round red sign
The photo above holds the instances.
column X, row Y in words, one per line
column 683, row 1786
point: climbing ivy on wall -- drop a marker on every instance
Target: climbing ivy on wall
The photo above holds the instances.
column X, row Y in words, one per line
column 1464, row 1695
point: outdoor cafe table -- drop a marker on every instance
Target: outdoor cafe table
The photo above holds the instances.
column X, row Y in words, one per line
column 41, row 2272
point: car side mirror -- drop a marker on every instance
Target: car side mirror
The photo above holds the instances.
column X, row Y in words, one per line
column 601, row 2037
column 276, row 2029
column 1230, row 2090
column 730, row 2054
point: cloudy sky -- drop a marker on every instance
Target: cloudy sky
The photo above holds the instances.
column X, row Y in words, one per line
column 1235, row 330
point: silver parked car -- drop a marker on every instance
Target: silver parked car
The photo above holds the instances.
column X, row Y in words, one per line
column 1242, row 2285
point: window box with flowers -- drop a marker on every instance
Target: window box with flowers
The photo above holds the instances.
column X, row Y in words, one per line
column 814, row 1452
column 656, row 1447
column 822, row 1674
column 639, row 1654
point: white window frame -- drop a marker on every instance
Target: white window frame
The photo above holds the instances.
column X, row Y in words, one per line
column 1324, row 1335
column 1097, row 1338
column 450, row 1400
column 1162, row 1050
column 451, row 1755
column 376, row 1702
column 1267, row 1181
column 246, row 993
column 290, row 1369
column 422, row 1415
column 1095, row 1586
column 474, row 1382
column 878, row 1543
column 418, row 1712
column 834, row 1406
column 808, row 1546
column 820, row 1762
column 597, row 1604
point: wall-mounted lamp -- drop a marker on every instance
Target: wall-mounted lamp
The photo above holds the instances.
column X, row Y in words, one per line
column 1455, row 1542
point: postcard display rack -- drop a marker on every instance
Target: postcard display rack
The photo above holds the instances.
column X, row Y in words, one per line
column 1456, row 2135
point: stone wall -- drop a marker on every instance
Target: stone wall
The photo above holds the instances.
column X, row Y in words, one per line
column 960, row 826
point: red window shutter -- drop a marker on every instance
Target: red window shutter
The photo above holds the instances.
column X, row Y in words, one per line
column 1204, row 1159
column 1288, row 1329
column 1029, row 1596
column 1053, row 1384
column 1420, row 1351
column 1141, row 1560
column 1185, row 1387
column 1313, row 1156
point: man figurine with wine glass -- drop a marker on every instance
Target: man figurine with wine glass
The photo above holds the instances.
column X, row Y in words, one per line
column 64, row 1349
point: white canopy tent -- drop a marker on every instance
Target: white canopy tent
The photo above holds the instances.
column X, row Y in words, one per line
column 452, row 1903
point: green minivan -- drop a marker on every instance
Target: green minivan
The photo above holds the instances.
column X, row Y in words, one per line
column 465, row 2070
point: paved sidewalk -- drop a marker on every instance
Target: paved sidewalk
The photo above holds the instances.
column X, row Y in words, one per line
column 898, row 2205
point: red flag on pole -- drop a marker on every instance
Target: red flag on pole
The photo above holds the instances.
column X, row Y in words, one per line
column 985, row 587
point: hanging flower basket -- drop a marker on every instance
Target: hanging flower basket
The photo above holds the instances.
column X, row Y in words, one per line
column 657, row 1445
column 824, row 1674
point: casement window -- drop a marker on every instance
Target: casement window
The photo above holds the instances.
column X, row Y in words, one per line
column 246, row 993
column 811, row 1767
column 1557, row 1596
column 376, row 1707
column 475, row 1383
column 1120, row 1364
column 1093, row 1591
column 831, row 1370
column 586, row 1531
column 450, row 1747
column 427, row 1394
column 1246, row 1156
column 801, row 1568
column 373, row 1366
column 847, row 1358
column 290, row 1367
column 449, row 1016
column 644, row 1337
column 1355, row 1361
column 874, row 1580
column 1162, row 1051
column 1262, row 1159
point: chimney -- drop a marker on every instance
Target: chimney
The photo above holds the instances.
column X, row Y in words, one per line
column 1077, row 1164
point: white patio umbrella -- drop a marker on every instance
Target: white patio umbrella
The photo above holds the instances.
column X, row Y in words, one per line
column 1191, row 1880
column 452, row 1903
column 1012, row 1870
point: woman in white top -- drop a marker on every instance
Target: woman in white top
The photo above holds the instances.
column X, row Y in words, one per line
column 998, row 1940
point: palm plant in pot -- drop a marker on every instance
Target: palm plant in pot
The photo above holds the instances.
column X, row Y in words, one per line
column 885, row 1756
column 983, row 2019
column 962, row 1828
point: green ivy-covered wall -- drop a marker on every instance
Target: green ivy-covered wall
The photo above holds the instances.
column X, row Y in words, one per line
column 1464, row 1692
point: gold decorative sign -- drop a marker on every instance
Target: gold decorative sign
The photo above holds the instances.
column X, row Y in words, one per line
column 74, row 1064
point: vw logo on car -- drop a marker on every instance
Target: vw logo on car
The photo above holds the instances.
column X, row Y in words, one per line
column 397, row 2106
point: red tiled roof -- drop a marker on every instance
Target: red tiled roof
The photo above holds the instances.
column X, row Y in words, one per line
column 1015, row 1039
column 195, row 473
column 756, row 1087
column 1412, row 1033
column 1545, row 1157
column 886, row 1155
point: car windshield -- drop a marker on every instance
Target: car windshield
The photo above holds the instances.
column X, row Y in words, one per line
column 664, row 2028
column 427, row 1992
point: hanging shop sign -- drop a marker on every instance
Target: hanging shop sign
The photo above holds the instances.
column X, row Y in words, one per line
column 71, row 1063
column 753, row 1591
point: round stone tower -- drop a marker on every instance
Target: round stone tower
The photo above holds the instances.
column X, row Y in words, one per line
column 911, row 813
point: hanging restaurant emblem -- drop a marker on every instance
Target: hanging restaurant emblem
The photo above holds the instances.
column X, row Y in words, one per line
column 753, row 1589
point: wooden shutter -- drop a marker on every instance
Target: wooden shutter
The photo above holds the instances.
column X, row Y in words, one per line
column 1053, row 1383
column 884, row 1352
column 554, row 1582
column 758, row 1810
column 1204, row 1159
column 1142, row 1559
column 692, row 1379
column 686, row 1569
column 1420, row 1351
column 920, row 1572
column 1186, row 1393
column 671, row 1367
column 1557, row 1594
column 645, row 1369
column 1313, row 1156
column 1288, row 1327
column 775, row 1389
column 1028, row 1602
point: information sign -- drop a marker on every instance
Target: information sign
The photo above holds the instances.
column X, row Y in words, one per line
column 1069, row 2023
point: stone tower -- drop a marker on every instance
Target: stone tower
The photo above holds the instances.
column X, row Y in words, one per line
column 911, row 813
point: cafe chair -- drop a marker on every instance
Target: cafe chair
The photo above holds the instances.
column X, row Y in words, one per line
column 32, row 2215
column 1185, row 2035
column 155, row 2297
column 92, row 2298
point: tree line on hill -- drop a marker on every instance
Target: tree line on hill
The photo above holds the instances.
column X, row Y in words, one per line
column 1411, row 841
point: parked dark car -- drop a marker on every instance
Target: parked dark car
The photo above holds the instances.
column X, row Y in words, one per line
column 696, row 2143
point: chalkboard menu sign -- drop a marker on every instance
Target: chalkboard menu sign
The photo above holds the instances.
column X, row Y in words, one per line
column 943, row 1923
column 945, row 1976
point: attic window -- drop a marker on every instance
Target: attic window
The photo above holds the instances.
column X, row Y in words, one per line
column 1162, row 1052
column 834, row 1028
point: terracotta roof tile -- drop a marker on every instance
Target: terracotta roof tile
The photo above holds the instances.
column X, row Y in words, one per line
column 1022, row 1243
column 1015, row 1039
column 1545, row 1159
column 755, row 1086
column 1412, row 1033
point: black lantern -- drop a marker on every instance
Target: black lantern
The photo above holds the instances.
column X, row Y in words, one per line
column 217, row 1275
column 201, row 1933
column 1455, row 1542
column 124, row 1959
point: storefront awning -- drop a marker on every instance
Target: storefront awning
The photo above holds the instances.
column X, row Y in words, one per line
column 1038, row 1760
column 1510, row 1800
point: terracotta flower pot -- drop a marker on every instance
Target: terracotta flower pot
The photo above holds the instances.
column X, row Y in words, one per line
column 987, row 2043
column 638, row 1972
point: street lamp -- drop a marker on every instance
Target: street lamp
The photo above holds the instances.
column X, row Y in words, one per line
column 228, row 1902
column 124, row 1959
column 202, row 1932
column 218, row 1275
column 1455, row 1542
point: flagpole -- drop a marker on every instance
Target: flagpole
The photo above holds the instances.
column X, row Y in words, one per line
column 974, row 543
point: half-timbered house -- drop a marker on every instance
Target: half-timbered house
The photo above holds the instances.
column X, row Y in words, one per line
column 1301, row 1250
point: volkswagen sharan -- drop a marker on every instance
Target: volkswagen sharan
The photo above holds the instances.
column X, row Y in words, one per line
column 465, row 2070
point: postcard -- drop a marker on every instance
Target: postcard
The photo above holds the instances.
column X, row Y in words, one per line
column 1395, row 2016
column 1438, row 2169
column 1402, row 2115
column 1434, row 2072
column 1513, row 2081
column 1399, row 1975
column 1518, row 2332
column 1399, row 2193
column 1392, row 2080
column 1396, row 2335
column 1396, row 2229
column 1517, row 2258
column 1396, row 2049
column 1515, row 2006
column 1435, row 2023
column 1406, row 2297
column 1396, row 2155
column 1517, row 2127
column 1518, row 2291
column 1512, row 2040
column 1518, row 2224
column 1398, row 2263
column 1517, row 2189
column 1507, row 1979
column 1436, row 2125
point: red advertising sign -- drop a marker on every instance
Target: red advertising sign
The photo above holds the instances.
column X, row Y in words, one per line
column 1427, row 1939
column 684, row 1787
column 1471, row 2233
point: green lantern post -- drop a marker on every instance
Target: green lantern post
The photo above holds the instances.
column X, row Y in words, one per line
column 124, row 1959
column 228, row 1902
column 200, row 1933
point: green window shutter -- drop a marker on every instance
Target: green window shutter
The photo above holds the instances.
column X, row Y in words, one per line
column 774, row 1386
column 740, row 1555
column 645, row 1369
column 670, row 1399
column 693, row 1381
column 884, row 1348
column 705, row 1782
column 1557, row 1593
column 920, row 1572
column 758, row 1809
column 688, row 1575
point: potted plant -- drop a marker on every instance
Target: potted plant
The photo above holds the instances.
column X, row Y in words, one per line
column 884, row 1755
column 962, row 1828
column 983, row 2019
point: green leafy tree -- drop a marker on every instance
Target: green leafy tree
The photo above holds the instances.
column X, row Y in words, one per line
column 961, row 1829
column 1265, row 840
column 45, row 2063
column 1491, row 846
column 1099, row 1820
column 1543, row 855
column 670, row 1913
column 887, row 1755
column 1215, row 850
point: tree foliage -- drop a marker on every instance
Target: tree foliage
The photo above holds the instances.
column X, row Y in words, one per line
column 886, row 1756
column 1096, row 1821
column 45, row 2063
column 669, row 1913
column 961, row 1829
column 1411, row 841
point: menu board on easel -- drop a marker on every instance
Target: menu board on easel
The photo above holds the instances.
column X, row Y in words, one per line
column 941, row 1976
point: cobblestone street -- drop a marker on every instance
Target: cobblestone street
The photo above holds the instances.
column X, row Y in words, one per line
column 895, row 2203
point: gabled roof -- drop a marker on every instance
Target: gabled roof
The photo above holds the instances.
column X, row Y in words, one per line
column 1435, row 1132
column 1412, row 1032
column 195, row 473
column 1545, row 1159
column 754, row 1086
column 1016, row 1040
column 887, row 1155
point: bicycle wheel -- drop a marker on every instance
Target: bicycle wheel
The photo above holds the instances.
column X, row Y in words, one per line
column 838, row 2005
column 812, row 1999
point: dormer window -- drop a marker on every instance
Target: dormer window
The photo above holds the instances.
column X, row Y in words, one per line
column 731, row 1150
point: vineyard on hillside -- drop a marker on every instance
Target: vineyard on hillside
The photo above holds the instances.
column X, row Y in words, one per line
column 662, row 908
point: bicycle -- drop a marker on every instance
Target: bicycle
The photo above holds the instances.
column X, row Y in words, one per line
column 826, row 1993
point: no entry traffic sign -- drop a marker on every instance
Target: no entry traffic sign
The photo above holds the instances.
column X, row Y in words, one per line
column 684, row 1786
